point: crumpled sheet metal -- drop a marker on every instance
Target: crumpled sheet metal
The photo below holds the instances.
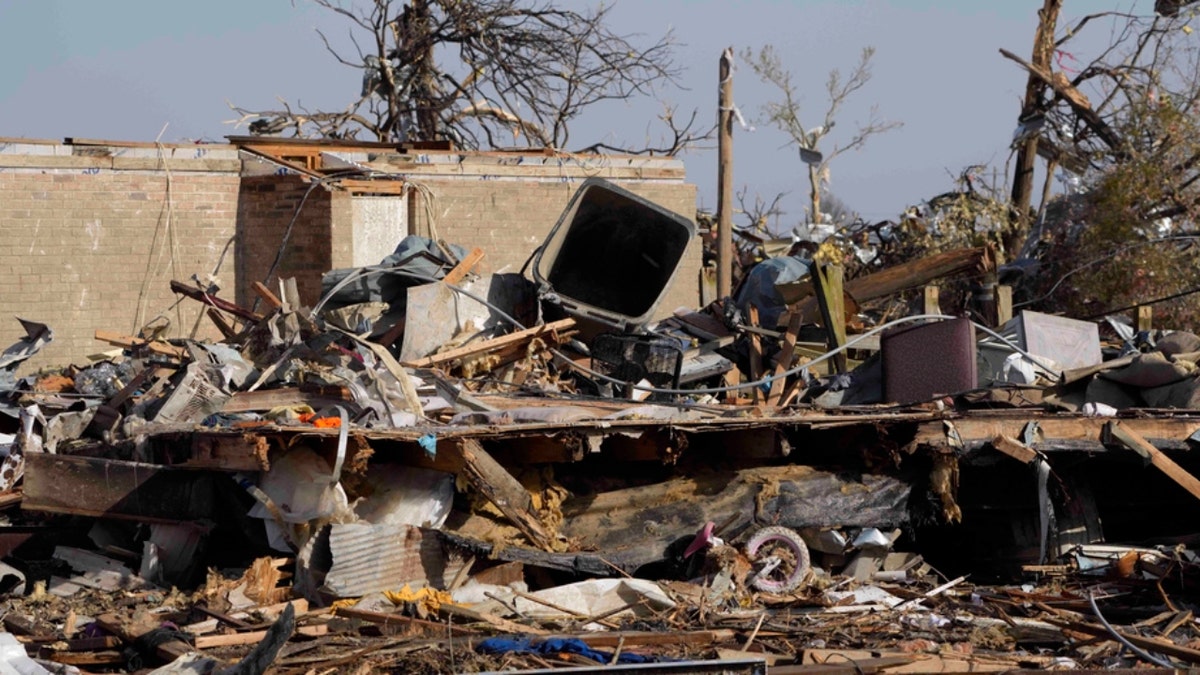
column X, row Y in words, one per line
column 37, row 335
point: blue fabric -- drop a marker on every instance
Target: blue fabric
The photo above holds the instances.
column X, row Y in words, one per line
column 553, row 646
column 429, row 443
column 759, row 288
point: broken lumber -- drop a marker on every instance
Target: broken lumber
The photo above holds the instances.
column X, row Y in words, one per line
column 266, row 294
column 831, row 298
column 500, row 488
column 128, row 342
column 1074, row 98
column 908, row 275
column 784, row 362
column 109, row 488
column 520, row 337
column 213, row 301
column 1131, row 439
column 407, row 624
column 253, row 637
column 1014, row 448
column 464, row 267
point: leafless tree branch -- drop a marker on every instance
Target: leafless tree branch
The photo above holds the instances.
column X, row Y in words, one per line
column 489, row 71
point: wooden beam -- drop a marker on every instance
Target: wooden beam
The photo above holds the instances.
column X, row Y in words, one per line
column 786, row 354
column 1014, row 448
column 983, row 429
column 1004, row 305
column 253, row 637
column 831, row 301
column 409, row 625
column 756, row 354
column 227, row 331
column 109, row 488
column 455, row 276
column 213, row 301
column 266, row 294
column 1145, row 318
column 486, row 346
column 1158, row 645
column 130, row 342
column 1165, row 464
column 226, row 452
column 500, row 488
column 909, row 275
column 1074, row 98
column 932, row 301
column 464, row 613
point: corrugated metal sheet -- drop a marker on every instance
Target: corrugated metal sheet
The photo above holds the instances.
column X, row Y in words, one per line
column 373, row 558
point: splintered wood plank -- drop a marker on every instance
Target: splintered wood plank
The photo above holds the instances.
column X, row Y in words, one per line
column 1165, row 464
column 464, row 267
column 1058, row 428
column 129, row 342
column 266, row 294
column 213, row 301
column 405, row 624
column 785, row 358
column 831, row 302
column 487, row 346
column 756, row 354
column 245, row 452
column 499, row 487
column 912, row 274
column 227, row 331
column 1014, row 448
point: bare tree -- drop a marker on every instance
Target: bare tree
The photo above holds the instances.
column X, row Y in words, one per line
column 1124, row 125
column 784, row 114
column 484, row 74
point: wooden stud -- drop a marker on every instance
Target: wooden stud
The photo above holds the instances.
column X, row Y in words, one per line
column 266, row 294
column 455, row 276
column 1145, row 316
column 932, row 302
column 786, row 354
column 1004, row 306
column 832, row 303
column 756, row 355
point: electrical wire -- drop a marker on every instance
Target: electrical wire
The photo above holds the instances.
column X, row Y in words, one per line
column 1104, row 258
column 378, row 269
column 1141, row 654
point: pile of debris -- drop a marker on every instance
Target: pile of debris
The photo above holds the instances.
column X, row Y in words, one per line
column 433, row 470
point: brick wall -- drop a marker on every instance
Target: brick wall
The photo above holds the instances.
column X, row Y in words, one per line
column 504, row 203
column 266, row 207
column 78, row 239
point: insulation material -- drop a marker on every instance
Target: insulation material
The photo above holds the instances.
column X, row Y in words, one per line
column 405, row 495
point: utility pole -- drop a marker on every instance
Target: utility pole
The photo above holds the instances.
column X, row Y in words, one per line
column 1043, row 50
column 725, row 177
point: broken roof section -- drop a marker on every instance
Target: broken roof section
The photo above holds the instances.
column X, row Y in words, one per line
column 347, row 163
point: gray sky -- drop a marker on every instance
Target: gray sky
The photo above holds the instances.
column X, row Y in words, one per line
column 122, row 69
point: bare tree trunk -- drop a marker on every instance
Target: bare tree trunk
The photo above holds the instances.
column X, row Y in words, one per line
column 725, row 177
column 420, row 27
column 1043, row 49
